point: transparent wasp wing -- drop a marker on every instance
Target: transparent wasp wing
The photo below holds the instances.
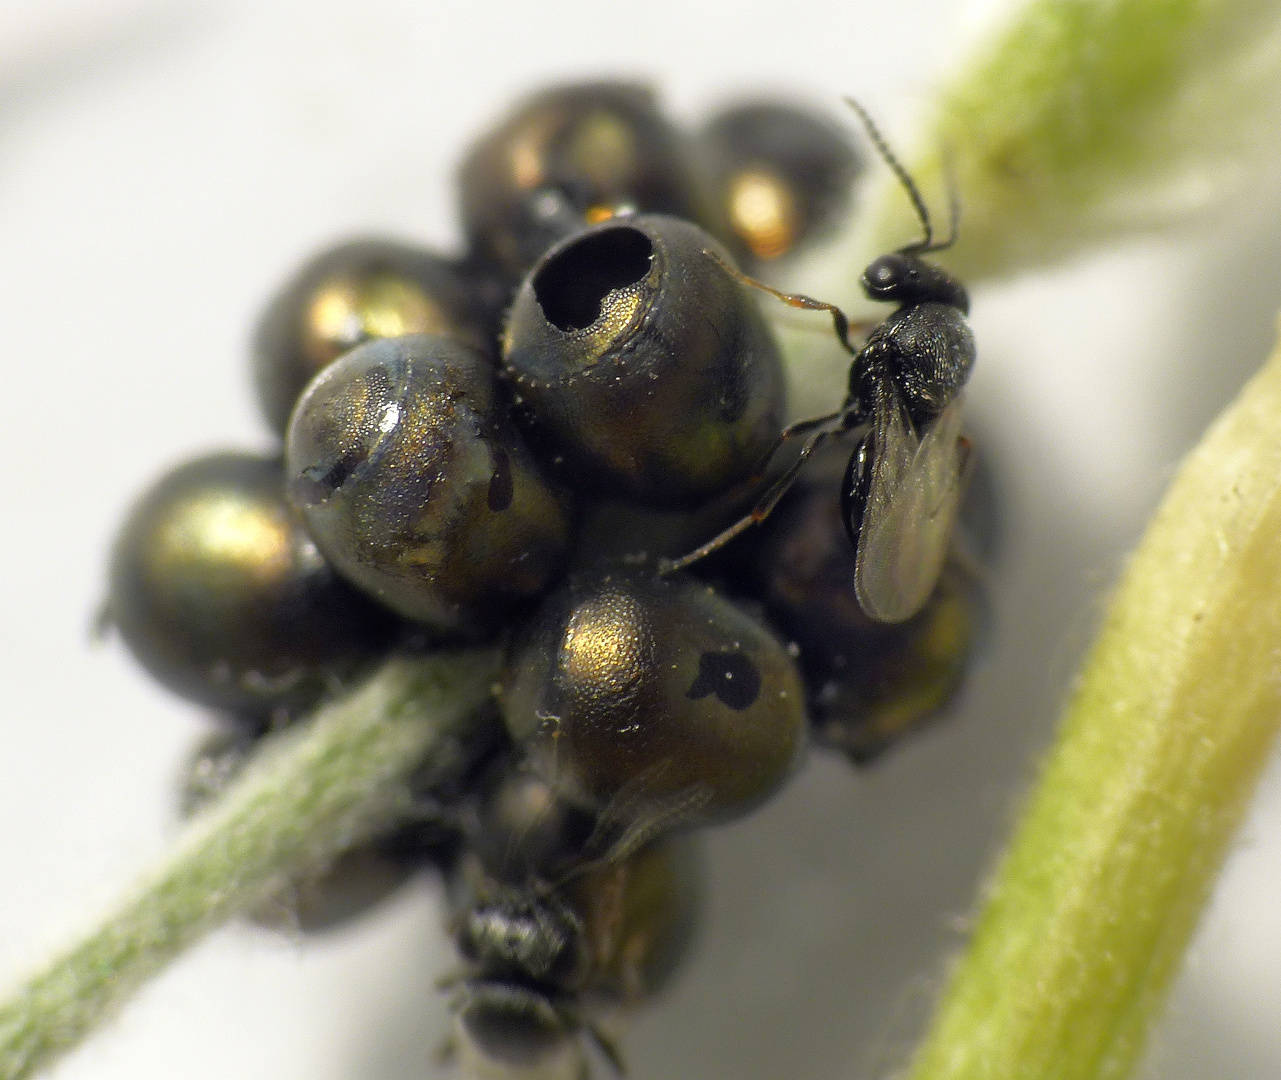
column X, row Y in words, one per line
column 634, row 817
column 901, row 496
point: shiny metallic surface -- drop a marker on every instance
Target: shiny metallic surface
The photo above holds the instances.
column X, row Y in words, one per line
column 567, row 157
column 870, row 683
column 781, row 175
column 644, row 364
column 187, row 154
column 763, row 212
column 413, row 482
column 640, row 918
column 650, row 695
column 346, row 295
column 222, row 596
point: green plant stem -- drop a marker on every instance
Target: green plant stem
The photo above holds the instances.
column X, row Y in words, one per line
column 313, row 792
column 1078, row 121
column 1071, row 125
column 1161, row 745
column 1081, row 121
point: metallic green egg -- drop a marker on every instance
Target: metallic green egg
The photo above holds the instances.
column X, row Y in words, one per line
column 221, row 595
column 348, row 294
column 352, row 884
column 781, row 175
column 870, row 683
column 652, row 697
column 611, row 530
column 644, row 364
column 419, row 490
column 570, row 156
column 640, row 917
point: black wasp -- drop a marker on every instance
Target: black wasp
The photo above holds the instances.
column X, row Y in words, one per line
column 519, row 1005
column 902, row 487
column 566, row 920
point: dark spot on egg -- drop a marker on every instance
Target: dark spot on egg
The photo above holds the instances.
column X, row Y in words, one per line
column 731, row 676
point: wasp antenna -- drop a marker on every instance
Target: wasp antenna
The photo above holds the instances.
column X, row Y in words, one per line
column 840, row 320
column 953, row 199
column 953, row 203
column 904, row 178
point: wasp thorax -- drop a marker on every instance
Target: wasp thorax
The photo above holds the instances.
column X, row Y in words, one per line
column 654, row 697
column 644, row 364
column 222, row 596
column 525, row 936
column 568, row 157
column 413, row 482
column 345, row 296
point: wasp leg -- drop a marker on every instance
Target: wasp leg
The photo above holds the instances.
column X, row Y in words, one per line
column 446, row 1051
column 608, row 1047
column 767, row 502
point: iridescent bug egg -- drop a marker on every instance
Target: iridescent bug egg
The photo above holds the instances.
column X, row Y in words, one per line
column 568, row 157
column 643, row 364
column 781, row 175
column 415, row 485
column 348, row 294
column 871, row 683
column 640, row 916
column 616, row 529
column 654, row 698
column 222, row 596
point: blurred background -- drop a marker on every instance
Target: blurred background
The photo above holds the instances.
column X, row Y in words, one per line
column 164, row 165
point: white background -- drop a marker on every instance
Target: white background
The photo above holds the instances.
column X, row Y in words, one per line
column 163, row 166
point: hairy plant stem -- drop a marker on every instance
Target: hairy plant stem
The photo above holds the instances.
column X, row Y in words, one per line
column 1161, row 746
column 1077, row 122
column 312, row 792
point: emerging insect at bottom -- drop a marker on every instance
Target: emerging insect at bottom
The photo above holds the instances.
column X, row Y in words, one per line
column 550, row 966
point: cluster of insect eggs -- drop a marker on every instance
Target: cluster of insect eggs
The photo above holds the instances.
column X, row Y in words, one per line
column 528, row 442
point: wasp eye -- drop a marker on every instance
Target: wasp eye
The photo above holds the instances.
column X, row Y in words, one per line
column 885, row 278
column 643, row 364
column 904, row 278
